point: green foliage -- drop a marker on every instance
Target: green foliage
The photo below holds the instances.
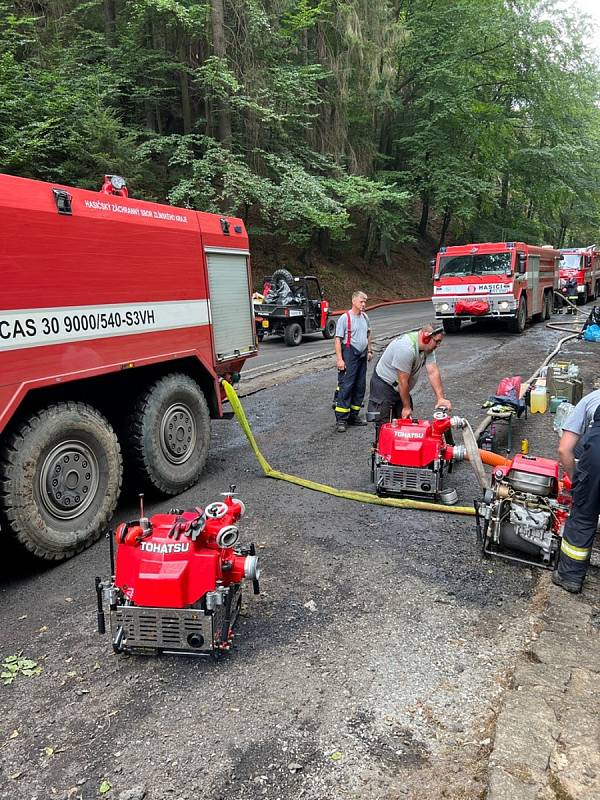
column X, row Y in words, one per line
column 316, row 116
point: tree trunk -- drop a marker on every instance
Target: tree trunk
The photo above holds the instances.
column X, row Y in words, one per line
column 562, row 236
column 422, row 229
column 110, row 20
column 445, row 224
column 504, row 191
column 324, row 242
column 220, row 50
column 186, row 105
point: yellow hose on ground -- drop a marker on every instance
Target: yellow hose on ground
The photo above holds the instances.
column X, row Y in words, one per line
column 348, row 494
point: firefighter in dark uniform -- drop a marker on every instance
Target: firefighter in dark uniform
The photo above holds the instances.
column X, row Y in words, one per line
column 580, row 528
column 352, row 351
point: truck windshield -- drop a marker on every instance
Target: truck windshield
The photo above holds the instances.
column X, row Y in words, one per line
column 482, row 264
column 570, row 261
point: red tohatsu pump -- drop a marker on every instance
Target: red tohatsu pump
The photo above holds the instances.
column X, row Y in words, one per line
column 411, row 456
column 176, row 581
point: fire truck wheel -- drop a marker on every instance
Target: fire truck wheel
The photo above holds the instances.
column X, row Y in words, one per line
column 293, row 334
column 61, row 479
column 451, row 325
column 547, row 308
column 517, row 323
column 169, row 434
column 329, row 329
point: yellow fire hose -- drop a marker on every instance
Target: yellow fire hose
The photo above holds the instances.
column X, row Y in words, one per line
column 348, row 494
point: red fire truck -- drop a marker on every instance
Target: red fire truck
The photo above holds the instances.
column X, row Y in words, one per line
column 507, row 280
column 118, row 318
column 581, row 264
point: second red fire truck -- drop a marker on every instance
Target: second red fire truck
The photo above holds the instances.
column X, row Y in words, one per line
column 581, row 265
column 118, row 319
column 501, row 280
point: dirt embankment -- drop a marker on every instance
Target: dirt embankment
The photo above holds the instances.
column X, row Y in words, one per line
column 408, row 275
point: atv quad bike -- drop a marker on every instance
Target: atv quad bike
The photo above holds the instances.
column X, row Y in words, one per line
column 293, row 307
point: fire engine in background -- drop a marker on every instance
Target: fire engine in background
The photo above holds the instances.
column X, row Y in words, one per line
column 581, row 264
column 506, row 280
column 118, row 318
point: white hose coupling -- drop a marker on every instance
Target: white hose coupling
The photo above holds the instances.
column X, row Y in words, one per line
column 458, row 422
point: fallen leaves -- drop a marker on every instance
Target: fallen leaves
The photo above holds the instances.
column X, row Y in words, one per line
column 16, row 665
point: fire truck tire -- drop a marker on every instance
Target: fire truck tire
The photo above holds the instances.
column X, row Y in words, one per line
column 52, row 516
column 517, row 323
column 169, row 434
column 329, row 329
column 293, row 334
column 451, row 325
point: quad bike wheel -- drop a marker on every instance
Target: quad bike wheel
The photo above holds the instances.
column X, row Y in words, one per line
column 329, row 329
column 293, row 334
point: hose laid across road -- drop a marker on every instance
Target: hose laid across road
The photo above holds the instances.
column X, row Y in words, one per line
column 348, row 494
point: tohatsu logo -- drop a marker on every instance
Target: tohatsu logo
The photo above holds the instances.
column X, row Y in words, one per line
column 409, row 434
column 163, row 549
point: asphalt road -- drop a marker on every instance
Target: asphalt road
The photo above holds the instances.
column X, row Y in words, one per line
column 372, row 664
column 385, row 321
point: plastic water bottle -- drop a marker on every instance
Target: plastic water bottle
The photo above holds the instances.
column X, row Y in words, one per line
column 563, row 412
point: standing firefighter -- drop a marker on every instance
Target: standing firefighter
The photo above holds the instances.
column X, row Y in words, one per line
column 397, row 372
column 352, row 350
column 580, row 528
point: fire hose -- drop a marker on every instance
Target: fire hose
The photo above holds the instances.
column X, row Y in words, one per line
column 473, row 455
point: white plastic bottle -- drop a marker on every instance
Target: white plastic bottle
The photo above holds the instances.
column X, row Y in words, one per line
column 563, row 412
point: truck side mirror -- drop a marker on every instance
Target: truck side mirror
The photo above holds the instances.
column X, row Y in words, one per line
column 522, row 263
column 432, row 264
column 588, row 261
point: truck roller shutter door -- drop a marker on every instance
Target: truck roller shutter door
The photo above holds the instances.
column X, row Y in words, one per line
column 231, row 310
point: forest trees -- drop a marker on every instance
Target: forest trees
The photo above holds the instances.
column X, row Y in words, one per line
column 315, row 118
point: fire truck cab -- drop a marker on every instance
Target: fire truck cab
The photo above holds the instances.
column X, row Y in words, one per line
column 118, row 319
column 581, row 264
column 507, row 280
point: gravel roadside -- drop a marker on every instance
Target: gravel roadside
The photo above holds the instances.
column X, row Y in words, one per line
column 373, row 664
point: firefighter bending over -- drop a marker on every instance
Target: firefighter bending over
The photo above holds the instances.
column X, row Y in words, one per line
column 580, row 528
column 352, row 350
column 397, row 372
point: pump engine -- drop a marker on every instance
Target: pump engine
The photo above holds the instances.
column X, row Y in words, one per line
column 411, row 457
column 522, row 515
column 175, row 584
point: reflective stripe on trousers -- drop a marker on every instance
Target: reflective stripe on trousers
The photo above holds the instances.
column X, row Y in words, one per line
column 580, row 528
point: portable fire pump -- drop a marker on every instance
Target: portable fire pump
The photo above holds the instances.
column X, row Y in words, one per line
column 411, row 456
column 176, row 585
column 522, row 515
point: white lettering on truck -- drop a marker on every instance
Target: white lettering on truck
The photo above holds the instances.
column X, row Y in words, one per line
column 43, row 326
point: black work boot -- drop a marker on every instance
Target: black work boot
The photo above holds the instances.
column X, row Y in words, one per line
column 569, row 586
column 357, row 421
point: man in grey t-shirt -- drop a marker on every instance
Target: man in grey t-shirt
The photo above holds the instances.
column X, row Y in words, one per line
column 576, row 425
column 398, row 369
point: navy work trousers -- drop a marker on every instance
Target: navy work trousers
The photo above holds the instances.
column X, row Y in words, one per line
column 385, row 399
column 352, row 383
column 580, row 528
